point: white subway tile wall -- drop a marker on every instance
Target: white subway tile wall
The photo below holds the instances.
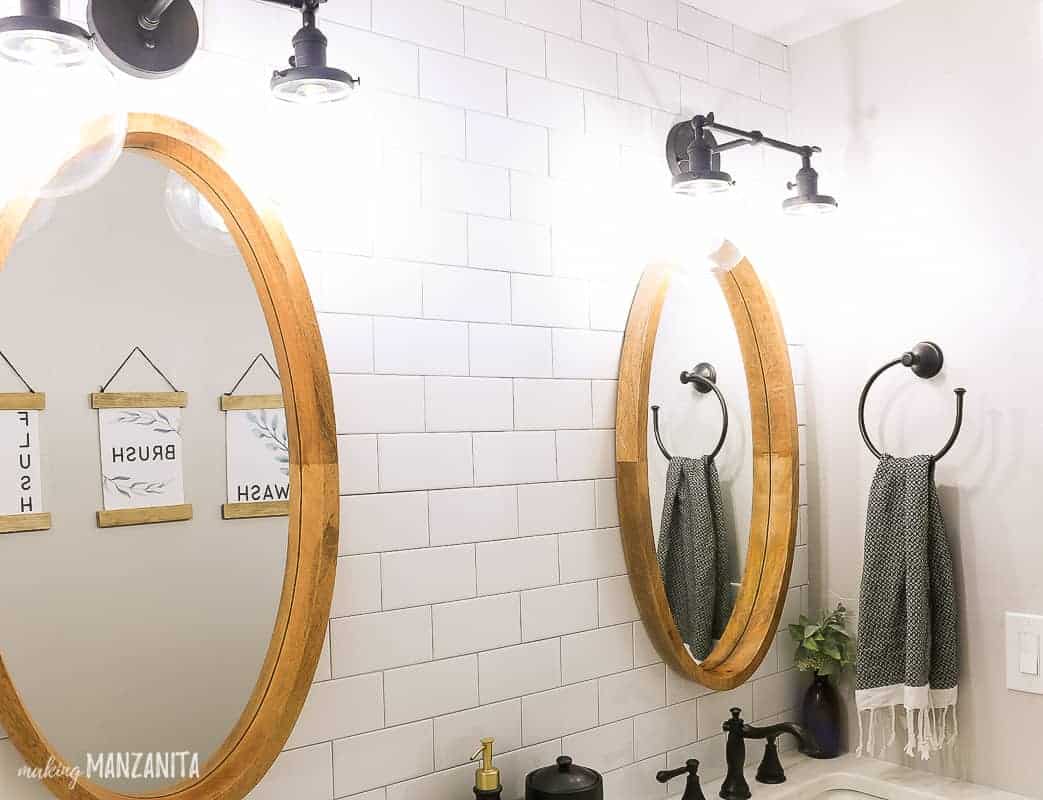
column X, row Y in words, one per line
column 472, row 289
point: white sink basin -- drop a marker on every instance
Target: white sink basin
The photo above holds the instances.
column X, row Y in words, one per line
column 843, row 794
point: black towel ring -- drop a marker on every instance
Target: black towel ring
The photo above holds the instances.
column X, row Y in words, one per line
column 704, row 376
column 925, row 360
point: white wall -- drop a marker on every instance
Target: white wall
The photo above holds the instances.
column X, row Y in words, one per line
column 472, row 247
column 927, row 114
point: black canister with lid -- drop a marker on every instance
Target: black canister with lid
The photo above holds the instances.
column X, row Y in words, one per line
column 564, row 780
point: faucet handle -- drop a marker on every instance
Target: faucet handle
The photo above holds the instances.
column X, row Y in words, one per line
column 735, row 724
column 692, row 790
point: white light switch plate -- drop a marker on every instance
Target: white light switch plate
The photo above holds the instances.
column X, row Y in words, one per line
column 1024, row 638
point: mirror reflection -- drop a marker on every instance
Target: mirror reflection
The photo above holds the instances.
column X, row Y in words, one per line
column 700, row 467
column 146, row 636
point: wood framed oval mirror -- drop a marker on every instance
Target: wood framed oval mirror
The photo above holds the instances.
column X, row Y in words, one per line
column 206, row 630
column 710, row 579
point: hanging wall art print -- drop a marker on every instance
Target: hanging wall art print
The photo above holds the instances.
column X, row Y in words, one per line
column 142, row 463
column 21, row 487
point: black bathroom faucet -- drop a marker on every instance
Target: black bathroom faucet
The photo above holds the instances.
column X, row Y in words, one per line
column 735, row 786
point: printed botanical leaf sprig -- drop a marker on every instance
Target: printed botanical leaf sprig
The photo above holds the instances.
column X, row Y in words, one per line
column 823, row 647
column 270, row 428
column 156, row 420
column 126, row 486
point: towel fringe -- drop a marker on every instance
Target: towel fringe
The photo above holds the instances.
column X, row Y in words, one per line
column 927, row 730
column 858, row 751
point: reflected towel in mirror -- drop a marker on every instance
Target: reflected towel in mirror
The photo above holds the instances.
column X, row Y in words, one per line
column 693, row 553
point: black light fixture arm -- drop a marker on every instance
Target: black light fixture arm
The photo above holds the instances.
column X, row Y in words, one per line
column 152, row 13
column 754, row 138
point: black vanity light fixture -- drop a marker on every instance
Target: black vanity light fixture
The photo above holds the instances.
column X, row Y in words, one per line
column 694, row 157
column 309, row 79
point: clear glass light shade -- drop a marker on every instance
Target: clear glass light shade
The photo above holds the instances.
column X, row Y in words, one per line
column 810, row 208
column 65, row 128
column 194, row 219
column 312, row 91
column 42, row 48
column 699, row 187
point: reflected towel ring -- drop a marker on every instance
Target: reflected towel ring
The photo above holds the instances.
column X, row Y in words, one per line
column 925, row 360
column 704, row 377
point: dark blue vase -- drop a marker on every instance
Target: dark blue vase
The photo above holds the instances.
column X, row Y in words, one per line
column 822, row 717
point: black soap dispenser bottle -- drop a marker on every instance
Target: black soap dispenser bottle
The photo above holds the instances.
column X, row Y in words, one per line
column 486, row 777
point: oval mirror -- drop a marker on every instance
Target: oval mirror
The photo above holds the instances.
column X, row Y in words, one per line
column 706, row 449
column 167, row 563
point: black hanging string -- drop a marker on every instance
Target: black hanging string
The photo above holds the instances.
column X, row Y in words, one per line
column 17, row 373
column 258, row 357
column 151, row 363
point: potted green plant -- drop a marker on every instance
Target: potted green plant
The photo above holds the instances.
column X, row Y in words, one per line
column 825, row 648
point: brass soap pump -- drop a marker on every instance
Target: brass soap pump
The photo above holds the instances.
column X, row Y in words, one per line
column 487, row 777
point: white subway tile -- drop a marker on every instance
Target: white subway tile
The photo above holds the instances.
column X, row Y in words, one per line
column 650, row 86
column 760, row 48
column 616, row 601
column 663, row 11
column 456, row 734
column 508, row 245
column 463, row 82
column 453, row 293
column 339, row 708
column 348, row 342
column 586, row 354
column 611, row 119
column 355, row 285
column 420, row 347
column 629, row 693
column 544, row 102
column 514, row 564
column 491, row 6
column 462, row 186
column 323, row 672
column 777, row 693
column 378, row 403
column 735, row 72
column 469, row 404
column 429, row 690
column 303, row 774
column 514, row 457
column 546, row 404
column 531, row 197
column 610, row 305
column 665, row 729
column 802, row 525
column 506, row 143
column 375, row 759
column 357, row 589
column 706, row 26
column 372, row 794
column 638, row 781
column 559, row 610
column 559, row 16
column 357, row 457
column 586, row 555
column 538, row 300
column 503, row 42
column 399, row 118
column 423, row 235
column 425, row 461
column 581, row 65
column 605, row 748
column 469, row 626
column 714, row 707
column 519, row 670
column 678, row 51
column 583, row 455
column 550, row 715
column 615, row 30
column 473, row 515
column 680, row 689
column 775, row 86
column 606, row 507
column 434, row 575
column 435, row 23
column 373, row 642
column 510, row 351
column 645, row 652
column 592, row 654
column 604, row 393
column 384, row 63
column 711, row 754
column 376, row 523
column 555, row 507
column 799, row 574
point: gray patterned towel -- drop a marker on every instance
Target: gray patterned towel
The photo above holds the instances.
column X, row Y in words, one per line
column 908, row 628
column 693, row 553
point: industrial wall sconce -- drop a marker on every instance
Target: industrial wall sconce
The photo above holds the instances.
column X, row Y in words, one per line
column 694, row 157
column 156, row 38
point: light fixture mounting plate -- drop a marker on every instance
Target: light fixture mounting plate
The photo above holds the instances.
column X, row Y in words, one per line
column 677, row 142
column 159, row 53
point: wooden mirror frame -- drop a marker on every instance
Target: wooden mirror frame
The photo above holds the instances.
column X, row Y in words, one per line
column 773, row 522
column 286, row 675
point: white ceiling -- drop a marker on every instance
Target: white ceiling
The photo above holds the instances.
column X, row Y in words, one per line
column 789, row 21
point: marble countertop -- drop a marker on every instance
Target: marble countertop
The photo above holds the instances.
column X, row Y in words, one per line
column 807, row 778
